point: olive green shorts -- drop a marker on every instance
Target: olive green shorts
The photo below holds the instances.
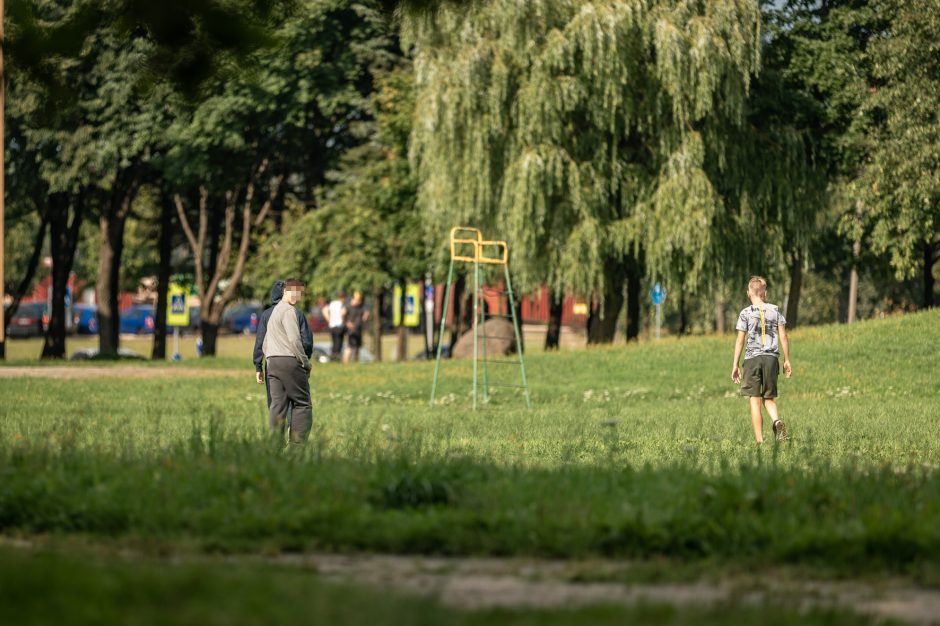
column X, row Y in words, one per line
column 759, row 376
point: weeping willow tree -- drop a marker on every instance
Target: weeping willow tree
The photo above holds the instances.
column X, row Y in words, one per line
column 590, row 134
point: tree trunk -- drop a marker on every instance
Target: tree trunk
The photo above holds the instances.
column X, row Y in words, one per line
column 720, row 313
column 208, row 320
column 853, row 283
column 108, row 286
column 457, row 316
column 796, row 287
column 209, row 332
column 402, row 349
column 377, row 322
column 929, row 260
column 402, row 340
column 165, row 247
column 426, row 322
column 555, row 310
column 518, row 304
column 112, row 221
column 683, row 311
column 210, row 336
column 63, row 242
column 212, row 303
column 634, row 274
column 602, row 322
column 27, row 278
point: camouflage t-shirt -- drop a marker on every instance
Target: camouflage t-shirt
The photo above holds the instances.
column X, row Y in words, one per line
column 749, row 321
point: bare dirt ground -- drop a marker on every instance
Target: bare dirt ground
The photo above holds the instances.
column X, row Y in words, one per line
column 474, row 583
column 65, row 372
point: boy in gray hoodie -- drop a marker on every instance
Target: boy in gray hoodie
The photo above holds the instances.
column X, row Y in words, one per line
column 288, row 364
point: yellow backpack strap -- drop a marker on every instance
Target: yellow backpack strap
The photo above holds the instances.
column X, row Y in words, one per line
column 763, row 328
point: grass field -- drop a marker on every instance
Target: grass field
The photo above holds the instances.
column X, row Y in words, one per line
column 230, row 348
column 640, row 452
column 233, row 348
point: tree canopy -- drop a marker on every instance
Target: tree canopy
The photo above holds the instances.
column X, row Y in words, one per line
column 581, row 130
column 611, row 143
column 901, row 179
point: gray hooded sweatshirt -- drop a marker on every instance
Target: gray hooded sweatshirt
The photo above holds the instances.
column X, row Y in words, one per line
column 282, row 336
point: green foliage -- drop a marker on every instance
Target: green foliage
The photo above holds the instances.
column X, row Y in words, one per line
column 772, row 207
column 19, row 239
column 292, row 105
column 365, row 231
column 112, row 120
column 821, row 50
column 140, row 257
column 901, row 181
column 580, row 130
column 191, row 40
column 274, row 130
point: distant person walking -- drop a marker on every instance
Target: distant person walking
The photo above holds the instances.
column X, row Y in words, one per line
column 335, row 314
column 356, row 317
column 286, row 345
column 762, row 332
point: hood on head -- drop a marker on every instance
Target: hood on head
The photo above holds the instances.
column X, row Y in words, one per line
column 277, row 291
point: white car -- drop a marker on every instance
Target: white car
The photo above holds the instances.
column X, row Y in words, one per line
column 321, row 354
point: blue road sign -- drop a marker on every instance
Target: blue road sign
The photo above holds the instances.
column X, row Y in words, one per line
column 657, row 294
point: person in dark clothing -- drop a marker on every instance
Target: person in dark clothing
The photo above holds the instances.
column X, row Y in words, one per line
column 335, row 315
column 288, row 367
column 356, row 317
column 306, row 337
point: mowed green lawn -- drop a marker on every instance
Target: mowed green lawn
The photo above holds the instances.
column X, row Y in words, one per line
column 861, row 395
column 640, row 452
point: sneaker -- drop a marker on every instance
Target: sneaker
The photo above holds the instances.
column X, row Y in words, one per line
column 780, row 430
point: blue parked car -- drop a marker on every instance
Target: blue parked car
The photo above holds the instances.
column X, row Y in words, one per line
column 242, row 319
column 138, row 320
column 85, row 319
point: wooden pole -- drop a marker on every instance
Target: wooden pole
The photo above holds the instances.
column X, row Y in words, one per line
column 3, row 322
column 853, row 277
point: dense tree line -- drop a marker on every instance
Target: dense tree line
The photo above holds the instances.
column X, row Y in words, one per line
column 614, row 144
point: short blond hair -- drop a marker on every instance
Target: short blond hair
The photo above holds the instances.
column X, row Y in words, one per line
column 758, row 284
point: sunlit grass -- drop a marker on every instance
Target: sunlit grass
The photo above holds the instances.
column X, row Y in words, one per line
column 634, row 451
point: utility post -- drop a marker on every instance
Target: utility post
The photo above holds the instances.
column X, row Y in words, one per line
column 3, row 321
column 658, row 296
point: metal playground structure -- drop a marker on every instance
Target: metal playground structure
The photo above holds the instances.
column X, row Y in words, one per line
column 468, row 246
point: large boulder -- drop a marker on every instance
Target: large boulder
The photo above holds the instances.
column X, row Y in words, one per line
column 500, row 340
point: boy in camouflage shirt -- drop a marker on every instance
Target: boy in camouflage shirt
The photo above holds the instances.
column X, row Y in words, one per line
column 764, row 329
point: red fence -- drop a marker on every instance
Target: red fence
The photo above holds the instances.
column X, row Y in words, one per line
column 40, row 292
column 535, row 308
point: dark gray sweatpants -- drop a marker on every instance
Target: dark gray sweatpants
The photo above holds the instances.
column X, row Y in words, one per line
column 289, row 386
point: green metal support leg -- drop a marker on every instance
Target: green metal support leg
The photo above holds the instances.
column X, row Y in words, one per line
column 486, row 374
column 476, row 327
column 479, row 320
column 515, row 327
column 440, row 338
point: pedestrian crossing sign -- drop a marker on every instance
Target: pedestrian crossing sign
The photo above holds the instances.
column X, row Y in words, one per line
column 177, row 306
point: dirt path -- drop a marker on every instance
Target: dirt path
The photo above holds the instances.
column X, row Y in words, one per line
column 476, row 583
column 472, row 583
column 66, row 372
